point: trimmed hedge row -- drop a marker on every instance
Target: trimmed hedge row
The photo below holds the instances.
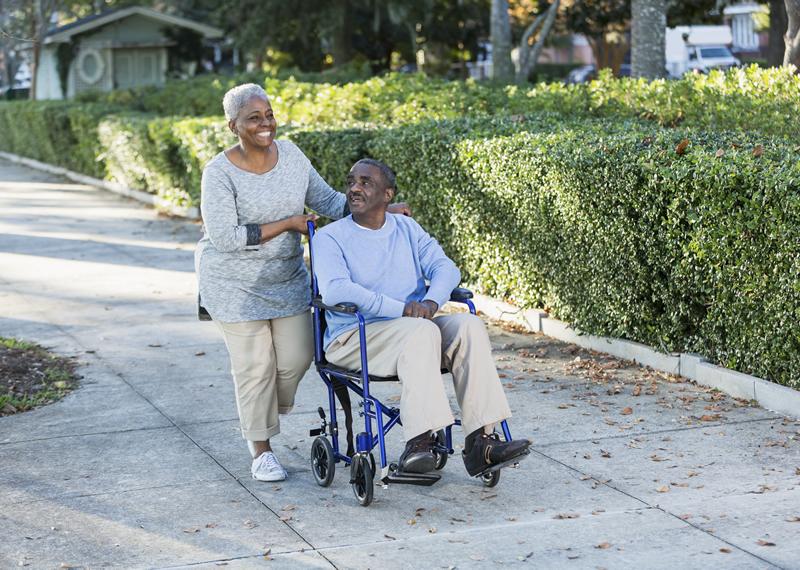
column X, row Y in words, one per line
column 748, row 99
column 616, row 232
column 603, row 222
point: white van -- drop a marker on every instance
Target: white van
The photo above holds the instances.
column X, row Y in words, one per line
column 699, row 48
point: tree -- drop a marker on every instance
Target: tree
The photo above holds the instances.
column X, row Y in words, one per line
column 648, row 38
column 778, row 24
column 792, row 54
column 502, row 68
column 605, row 25
column 530, row 50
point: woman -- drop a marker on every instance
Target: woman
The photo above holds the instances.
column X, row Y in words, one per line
column 250, row 269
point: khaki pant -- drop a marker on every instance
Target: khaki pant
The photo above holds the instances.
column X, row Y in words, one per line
column 268, row 359
column 415, row 350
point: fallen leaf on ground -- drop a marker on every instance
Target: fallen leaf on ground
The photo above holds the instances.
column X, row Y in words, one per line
column 637, row 390
column 719, row 153
column 663, row 489
column 191, row 530
column 289, row 508
column 250, row 524
column 432, row 530
column 604, row 453
column 793, row 519
column 211, row 525
column 200, row 353
column 411, row 521
column 626, row 411
column 566, row 516
column 286, row 518
column 154, row 345
column 758, row 151
column 725, row 550
column 603, row 545
column 681, row 147
column 762, row 542
column 390, row 537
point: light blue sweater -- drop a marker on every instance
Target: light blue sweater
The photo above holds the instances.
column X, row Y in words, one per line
column 379, row 270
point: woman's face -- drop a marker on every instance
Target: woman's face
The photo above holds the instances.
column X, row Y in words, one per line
column 255, row 125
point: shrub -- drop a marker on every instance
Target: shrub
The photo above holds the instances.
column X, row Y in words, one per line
column 614, row 231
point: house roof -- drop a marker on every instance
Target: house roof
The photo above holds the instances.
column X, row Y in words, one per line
column 66, row 32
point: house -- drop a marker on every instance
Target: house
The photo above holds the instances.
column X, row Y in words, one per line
column 117, row 49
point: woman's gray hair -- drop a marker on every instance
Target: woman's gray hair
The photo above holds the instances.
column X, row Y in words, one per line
column 236, row 97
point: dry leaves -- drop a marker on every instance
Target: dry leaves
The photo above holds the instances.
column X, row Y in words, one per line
column 762, row 542
column 192, row 530
column 637, row 390
column 663, row 489
column 793, row 519
column 682, row 146
column 603, row 545
column 725, row 550
column 758, row 151
column 720, row 153
column 562, row 516
column 626, row 411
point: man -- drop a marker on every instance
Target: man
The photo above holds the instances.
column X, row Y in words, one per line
column 381, row 262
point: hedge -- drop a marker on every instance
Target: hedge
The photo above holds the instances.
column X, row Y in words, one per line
column 614, row 231
column 748, row 99
column 601, row 221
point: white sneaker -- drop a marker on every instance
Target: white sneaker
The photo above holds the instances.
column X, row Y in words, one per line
column 266, row 467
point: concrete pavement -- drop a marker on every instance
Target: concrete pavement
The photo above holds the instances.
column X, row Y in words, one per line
column 143, row 465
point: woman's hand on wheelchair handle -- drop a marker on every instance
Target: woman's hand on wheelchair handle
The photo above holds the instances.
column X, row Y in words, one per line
column 299, row 223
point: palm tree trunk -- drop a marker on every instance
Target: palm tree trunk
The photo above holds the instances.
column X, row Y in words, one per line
column 502, row 68
column 648, row 38
column 792, row 54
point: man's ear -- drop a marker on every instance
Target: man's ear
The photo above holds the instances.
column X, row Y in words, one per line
column 389, row 195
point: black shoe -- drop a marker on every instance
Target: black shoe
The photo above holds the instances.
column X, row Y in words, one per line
column 418, row 456
column 482, row 451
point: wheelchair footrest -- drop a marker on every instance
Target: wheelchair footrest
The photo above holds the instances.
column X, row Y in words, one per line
column 513, row 462
column 424, row 479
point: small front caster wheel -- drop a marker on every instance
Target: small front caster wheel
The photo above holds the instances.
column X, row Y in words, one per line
column 322, row 461
column 361, row 478
column 491, row 479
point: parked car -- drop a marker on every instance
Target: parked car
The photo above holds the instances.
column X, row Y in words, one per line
column 587, row 73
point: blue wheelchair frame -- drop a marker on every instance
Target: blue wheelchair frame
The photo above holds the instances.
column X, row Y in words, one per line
column 385, row 417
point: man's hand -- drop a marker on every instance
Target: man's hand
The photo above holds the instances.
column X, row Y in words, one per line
column 399, row 208
column 424, row 310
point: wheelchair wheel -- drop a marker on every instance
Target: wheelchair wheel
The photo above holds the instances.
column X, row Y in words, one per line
column 491, row 479
column 323, row 464
column 361, row 479
column 441, row 456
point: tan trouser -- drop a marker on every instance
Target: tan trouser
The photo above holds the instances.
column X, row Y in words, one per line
column 268, row 359
column 415, row 350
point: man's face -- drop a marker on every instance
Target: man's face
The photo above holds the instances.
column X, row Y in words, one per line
column 367, row 191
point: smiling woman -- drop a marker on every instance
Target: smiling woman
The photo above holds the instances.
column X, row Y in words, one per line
column 252, row 279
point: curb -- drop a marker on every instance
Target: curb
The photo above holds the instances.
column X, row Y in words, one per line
column 160, row 204
column 773, row 397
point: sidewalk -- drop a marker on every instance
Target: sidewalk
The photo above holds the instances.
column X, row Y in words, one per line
column 143, row 465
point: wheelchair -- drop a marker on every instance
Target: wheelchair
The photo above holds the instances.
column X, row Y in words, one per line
column 379, row 418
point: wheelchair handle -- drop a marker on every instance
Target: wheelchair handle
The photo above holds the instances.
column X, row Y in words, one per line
column 340, row 308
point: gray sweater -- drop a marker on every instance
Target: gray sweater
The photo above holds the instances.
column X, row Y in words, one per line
column 239, row 279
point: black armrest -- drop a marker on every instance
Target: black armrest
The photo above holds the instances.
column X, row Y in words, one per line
column 340, row 308
column 460, row 294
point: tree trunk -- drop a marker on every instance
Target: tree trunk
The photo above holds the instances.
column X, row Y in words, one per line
column 648, row 38
column 608, row 53
column 792, row 38
column 341, row 45
column 502, row 68
column 777, row 27
column 529, row 55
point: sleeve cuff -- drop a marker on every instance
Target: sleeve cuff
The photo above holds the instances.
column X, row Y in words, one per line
column 253, row 234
